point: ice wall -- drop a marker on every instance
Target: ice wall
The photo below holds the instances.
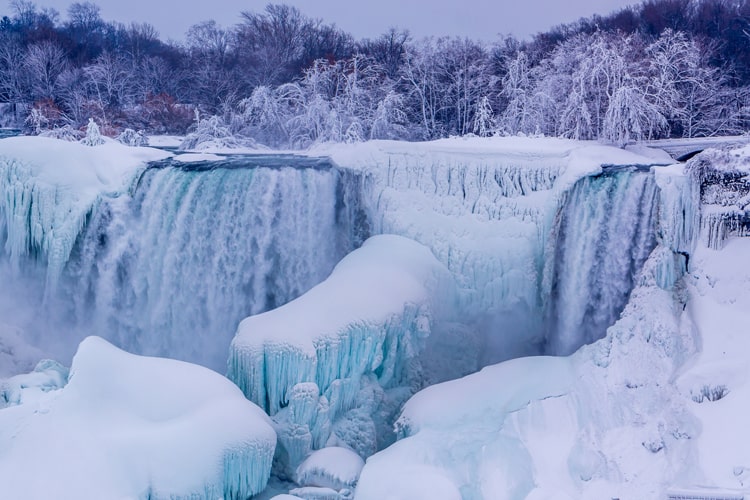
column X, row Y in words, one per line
column 48, row 187
column 723, row 178
column 605, row 232
column 492, row 211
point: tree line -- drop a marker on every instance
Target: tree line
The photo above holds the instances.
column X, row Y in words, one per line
column 664, row 68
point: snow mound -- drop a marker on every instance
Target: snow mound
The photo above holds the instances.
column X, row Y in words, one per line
column 127, row 426
column 335, row 364
column 50, row 186
column 332, row 467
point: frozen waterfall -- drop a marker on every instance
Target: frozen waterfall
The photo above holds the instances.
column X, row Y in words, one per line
column 171, row 267
column 605, row 232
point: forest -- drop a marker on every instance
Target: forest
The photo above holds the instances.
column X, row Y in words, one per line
column 278, row 78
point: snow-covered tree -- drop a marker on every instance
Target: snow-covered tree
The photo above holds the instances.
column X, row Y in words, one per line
column 484, row 118
column 631, row 117
column 44, row 62
column 390, row 120
column 93, row 135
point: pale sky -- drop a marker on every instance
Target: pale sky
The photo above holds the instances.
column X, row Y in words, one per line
column 478, row 19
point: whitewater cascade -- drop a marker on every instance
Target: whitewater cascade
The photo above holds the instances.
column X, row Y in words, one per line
column 605, row 233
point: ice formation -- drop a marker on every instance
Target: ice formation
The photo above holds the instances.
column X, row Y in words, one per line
column 49, row 187
column 653, row 409
column 333, row 467
column 188, row 247
column 127, row 426
column 333, row 365
column 487, row 208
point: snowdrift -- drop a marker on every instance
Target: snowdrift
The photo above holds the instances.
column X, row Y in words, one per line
column 127, row 426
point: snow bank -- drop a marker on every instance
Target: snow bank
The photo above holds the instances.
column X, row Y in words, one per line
column 127, row 426
column 333, row 365
column 715, row 383
column 49, row 186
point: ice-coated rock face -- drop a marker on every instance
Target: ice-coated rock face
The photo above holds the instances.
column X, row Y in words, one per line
column 334, row 365
column 724, row 181
column 127, row 426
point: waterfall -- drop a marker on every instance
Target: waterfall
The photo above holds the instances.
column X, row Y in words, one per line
column 605, row 232
column 173, row 268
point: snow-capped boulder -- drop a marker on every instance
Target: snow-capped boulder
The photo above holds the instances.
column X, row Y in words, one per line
column 333, row 467
column 128, row 426
column 333, row 366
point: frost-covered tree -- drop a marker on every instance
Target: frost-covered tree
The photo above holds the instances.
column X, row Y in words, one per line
column 44, row 62
column 484, row 118
column 518, row 91
column 390, row 120
column 93, row 135
column 631, row 117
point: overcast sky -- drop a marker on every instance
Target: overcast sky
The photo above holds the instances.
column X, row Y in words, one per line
column 479, row 19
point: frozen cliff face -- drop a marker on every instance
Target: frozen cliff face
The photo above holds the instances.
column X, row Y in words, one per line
column 724, row 180
column 334, row 365
column 49, row 187
column 127, row 426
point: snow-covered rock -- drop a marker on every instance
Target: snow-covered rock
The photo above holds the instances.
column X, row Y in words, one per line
column 127, row 426
column 333, row 467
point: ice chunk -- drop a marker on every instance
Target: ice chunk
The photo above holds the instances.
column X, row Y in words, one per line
column 333, row 467
column 47, row 376
column 127, row 426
